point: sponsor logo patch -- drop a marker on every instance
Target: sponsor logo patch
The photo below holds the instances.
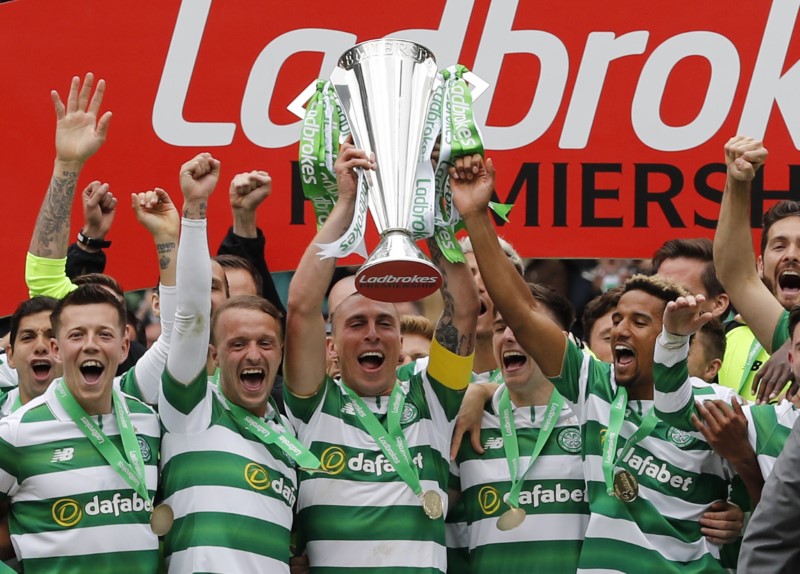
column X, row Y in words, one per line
column 489, row 500
column 256, row 476
column 63, row 454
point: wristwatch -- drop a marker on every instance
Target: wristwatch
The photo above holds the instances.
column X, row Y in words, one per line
column 91, row 242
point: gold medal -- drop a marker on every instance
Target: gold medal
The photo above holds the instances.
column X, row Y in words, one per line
column 432, row 504
column 161, row 519
column 510, row 519
column 626, row 487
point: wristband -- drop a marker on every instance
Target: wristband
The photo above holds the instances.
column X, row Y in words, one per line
column 91, row 242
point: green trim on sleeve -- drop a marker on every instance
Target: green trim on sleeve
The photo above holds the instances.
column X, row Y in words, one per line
column 781, row 333
column 568, row 381
column 184, row 398
column 304, row 408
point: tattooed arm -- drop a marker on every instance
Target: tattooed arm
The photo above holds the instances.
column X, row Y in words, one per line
column 79, row 134
column 455, row 330
column 304, row 363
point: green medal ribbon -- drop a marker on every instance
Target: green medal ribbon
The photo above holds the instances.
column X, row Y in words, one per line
column 129, row 467
column 511, row 445
column 289, row 444
column 392, row 442
column 616, row 417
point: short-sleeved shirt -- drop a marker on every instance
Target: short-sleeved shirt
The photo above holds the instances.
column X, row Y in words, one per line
column 232, row 495
column 553, row 495
column 679, row 477
column 70, row 510
column 360, row 516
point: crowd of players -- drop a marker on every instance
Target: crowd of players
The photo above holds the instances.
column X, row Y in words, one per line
column 253, row 438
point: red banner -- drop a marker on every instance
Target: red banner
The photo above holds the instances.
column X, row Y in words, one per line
column 605, row 119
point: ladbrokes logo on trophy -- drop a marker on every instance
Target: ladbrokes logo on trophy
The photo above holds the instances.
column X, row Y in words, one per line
column 66, row 512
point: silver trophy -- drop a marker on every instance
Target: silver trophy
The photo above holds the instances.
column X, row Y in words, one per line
column 385, row 88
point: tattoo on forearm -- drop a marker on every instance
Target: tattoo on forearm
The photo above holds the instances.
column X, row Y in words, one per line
column 52, row 225
column 195, row 211
column 164, row 262
column 165, row 247
column 447, row 334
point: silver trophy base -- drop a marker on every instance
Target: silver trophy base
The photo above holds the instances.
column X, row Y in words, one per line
column 397, row 271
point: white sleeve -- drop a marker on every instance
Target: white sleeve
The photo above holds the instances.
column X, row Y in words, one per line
column 189, row 342
column 149, row 368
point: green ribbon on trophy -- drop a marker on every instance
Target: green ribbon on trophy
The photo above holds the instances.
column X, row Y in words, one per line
column 324, row 129
column 450, row 119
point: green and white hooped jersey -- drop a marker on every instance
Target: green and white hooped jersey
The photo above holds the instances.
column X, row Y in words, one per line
column 455, row 526
column 232, row 495
column 361, row 516
column 70, row 510
column 8, row 401
column 767, row 430
column 553, row 495
column 679, row 477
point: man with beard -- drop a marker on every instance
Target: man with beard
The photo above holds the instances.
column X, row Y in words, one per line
column 29, row 353
column 648, row 484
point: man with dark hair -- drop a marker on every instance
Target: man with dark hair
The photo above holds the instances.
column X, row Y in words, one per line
column 647, row 495
column 690, row 263
column 29, row 353
column 706, row 351
column 597, row 323
column 242, row 276
column 547, row 482
column 101, row 443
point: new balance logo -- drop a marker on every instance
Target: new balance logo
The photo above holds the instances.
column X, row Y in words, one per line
column 62, row 454
column 494, row 442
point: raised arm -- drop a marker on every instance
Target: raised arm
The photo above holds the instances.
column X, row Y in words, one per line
column 304, row 364
column 673, row 398
column 455, row 329
column 247, row 192
column 189, row 345
column 535, row 331
column 156, row 212
column 79, row 134
column 86, row 255
column 734, row 258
